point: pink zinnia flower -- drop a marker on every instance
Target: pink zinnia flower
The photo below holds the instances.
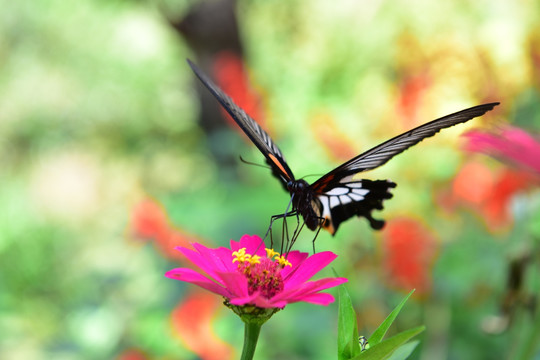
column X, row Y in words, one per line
column 248, row 274
column 512, row 145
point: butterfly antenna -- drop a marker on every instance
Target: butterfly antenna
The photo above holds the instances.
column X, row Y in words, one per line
column 254, row 164
column 310, row 175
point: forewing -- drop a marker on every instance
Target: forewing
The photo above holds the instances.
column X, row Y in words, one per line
column 256, row 134
column 380, row 154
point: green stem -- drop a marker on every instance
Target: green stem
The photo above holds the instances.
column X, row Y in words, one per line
column 529, row 345
column 251, row 335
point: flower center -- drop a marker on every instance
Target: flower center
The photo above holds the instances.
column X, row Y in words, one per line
column 263, row 273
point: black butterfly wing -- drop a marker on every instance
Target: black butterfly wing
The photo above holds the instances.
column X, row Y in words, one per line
column 380, row 154
column 353, row 198
column 256, row 134
column 340, row 197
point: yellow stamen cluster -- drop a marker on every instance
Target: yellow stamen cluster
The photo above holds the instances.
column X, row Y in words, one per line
column 263, row 274
column 283, row 261
column 270, row 253
column 242, row 257
column 274, row 255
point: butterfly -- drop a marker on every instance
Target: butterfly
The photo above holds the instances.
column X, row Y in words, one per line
column 336, row 196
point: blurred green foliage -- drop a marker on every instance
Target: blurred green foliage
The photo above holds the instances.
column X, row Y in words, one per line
column 98, row 111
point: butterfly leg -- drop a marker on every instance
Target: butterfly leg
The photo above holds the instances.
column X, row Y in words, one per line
column 296, row 233
column 321, row 222
column 288, row 240
column 274, row 218
column 315, row 238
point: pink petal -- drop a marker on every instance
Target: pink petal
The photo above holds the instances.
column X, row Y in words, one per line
column 235, row 282
column 199, row 261
column 219, row 259
column 263, row 302
column 253, row 245
column 193, row 277
column 308, row 268
column 259, row 301
column 318, row 299
column 269, row 303
column 513, row 144
column 225, row 254
column 235, row 245
column 309, row 288
column 322, row 284
column 243, row 300
column 295, row 258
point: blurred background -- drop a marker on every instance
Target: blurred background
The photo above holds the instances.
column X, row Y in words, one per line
column 111, row 155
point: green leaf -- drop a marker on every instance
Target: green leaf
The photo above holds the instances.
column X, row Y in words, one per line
column 404, row 351
column 386, row 348
column 378, row 334
column 348, row 346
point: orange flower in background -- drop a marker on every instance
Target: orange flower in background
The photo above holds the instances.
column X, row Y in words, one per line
column 336, row 143
column 411, row 96
column 192, row 324
column 409, row 251
column 149, row 220
column 497, row 206
column 232, row 77
column 488, row 192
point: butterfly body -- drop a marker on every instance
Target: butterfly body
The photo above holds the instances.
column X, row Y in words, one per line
column 356, row 198
column 337, row 196
column 305, row 202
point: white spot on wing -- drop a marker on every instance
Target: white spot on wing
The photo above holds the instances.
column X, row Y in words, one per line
column 345, row 199
column 356, row 197
column 334, row 201
column 360, row 192
column 338, row 191
column 325, row 202
column 347, row 179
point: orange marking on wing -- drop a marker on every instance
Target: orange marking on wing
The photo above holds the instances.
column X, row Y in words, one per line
column 326, row 181
column 278, row 164
column 327, row 225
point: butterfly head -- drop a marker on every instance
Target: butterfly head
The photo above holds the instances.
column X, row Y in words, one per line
column 297, row 187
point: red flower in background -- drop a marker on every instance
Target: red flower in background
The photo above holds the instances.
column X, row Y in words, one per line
column 489, row 192
column 512, row 145
column 411, row 95
column 192, row 319
column 150, row 221
column 192, row 323
column 336, row 143
column 232, row 77
column 409, row 250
